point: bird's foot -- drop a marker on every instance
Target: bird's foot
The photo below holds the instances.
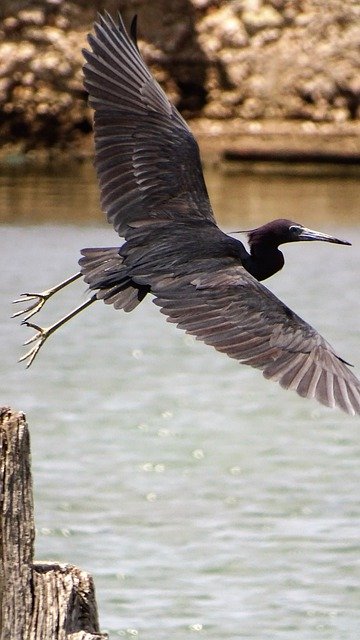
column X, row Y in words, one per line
column 39, row 338
column 37, row 299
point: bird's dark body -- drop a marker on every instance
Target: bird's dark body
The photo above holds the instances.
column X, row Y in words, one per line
column 153, row 193
column 153, row 249
column 151, row 253
column 156, row 250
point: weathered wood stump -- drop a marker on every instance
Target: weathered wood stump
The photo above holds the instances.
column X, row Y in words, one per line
column 38, row 601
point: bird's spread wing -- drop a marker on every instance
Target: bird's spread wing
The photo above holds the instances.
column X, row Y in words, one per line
column 147, row 159
column 231, row 311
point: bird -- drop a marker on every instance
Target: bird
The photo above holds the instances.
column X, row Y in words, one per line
column 205, row 281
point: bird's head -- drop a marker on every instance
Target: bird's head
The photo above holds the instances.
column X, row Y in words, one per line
column 281, row 231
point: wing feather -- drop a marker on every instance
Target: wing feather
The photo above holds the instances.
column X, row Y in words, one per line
column 237, row 315
column 147, row 159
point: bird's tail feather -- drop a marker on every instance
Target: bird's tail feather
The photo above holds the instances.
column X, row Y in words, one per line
column 104, row 271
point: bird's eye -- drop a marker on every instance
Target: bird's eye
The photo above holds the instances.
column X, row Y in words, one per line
column 295, row 229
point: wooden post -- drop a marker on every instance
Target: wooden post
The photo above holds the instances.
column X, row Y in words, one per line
column 38, row 601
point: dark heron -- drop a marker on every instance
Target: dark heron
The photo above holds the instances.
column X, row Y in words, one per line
column 153, row 193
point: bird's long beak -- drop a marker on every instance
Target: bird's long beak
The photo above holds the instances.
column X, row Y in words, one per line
column 309, row 234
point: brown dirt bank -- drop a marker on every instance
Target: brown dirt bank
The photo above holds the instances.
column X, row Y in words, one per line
column 263, row 74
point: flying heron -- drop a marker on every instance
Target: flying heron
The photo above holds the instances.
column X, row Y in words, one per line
column 153, row 193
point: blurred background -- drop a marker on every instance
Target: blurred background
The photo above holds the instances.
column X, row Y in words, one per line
column 202, row 498
column 290, row 68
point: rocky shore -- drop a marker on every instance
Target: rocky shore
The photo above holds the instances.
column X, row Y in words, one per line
column 270, row 73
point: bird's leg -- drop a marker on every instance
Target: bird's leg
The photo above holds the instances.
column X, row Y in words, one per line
column 44, row 332
column 38, row 299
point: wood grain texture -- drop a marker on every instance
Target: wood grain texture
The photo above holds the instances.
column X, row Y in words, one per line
column 37, row 600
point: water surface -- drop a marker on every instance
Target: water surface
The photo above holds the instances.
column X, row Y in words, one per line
column 203, row 499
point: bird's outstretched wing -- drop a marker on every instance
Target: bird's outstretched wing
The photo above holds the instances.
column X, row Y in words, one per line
column 147, row 159
column 231, row 311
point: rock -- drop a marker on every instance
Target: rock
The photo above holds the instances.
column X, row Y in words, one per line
column 221, row 29
column 31, row 16
column 218, row 111
column 10, row 24
column 252, row 109
column 265, row 17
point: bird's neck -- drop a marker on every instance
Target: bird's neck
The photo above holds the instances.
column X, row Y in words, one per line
column 264, row 260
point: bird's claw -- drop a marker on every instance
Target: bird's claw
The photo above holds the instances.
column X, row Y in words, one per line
column 39, row 338
column 38, row 300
